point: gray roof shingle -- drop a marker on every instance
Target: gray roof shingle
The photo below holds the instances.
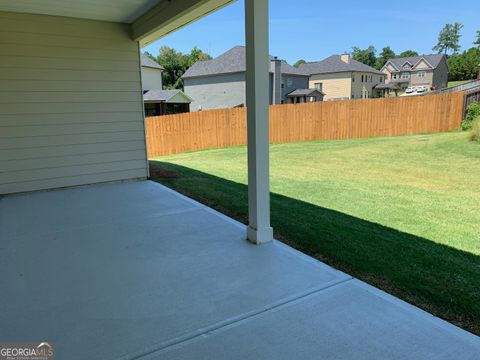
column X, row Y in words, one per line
column 433, row 60
column 304, row 92
column 161, row 95
column 147, row 62
column 232, row 61
column 334, row 64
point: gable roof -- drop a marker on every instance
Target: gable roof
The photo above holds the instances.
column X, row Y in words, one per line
column 433, row 60
column 305, row 92
column 334, row 64
column 163, row 95
column 232, row 61
column 147, row 62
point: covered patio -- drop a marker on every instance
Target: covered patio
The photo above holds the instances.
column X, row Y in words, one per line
column 137, row 271
column 103, row 264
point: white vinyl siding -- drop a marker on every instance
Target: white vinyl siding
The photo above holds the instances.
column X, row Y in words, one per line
column 71, row 109
column 151, row 79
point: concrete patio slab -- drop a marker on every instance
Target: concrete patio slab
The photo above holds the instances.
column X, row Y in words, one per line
column 138, row 271
column 348, row 321
column 122, row 270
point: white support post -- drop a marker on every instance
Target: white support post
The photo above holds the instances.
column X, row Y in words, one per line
column 258, row 95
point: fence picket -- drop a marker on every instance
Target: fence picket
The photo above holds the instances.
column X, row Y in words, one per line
column 178, row 133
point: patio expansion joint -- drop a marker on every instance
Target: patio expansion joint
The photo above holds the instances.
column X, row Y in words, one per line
column 230, row 322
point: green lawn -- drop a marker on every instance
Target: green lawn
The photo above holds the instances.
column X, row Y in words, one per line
column 455, row 83
column 401, row 213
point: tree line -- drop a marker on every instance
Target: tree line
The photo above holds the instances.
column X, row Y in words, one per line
column 175, row 63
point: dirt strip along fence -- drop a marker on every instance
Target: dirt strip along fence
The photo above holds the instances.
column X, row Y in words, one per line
column 173, row 134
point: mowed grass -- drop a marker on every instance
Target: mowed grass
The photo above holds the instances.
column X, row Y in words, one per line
column 401, row 213
column 456, row 83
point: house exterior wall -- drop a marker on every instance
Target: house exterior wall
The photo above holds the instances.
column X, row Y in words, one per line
column 364, row 90
column 346, row 85
column 334, row 85
column 388, row 71
column 71, row 109
column 440, row 75
column 276, row 78
column 291, row 83
column 151, row 79
column 416, row 80
column 216, row 92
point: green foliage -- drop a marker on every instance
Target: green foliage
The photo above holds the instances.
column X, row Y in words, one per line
column 366, row 56
column 473, row 115
column 449, row 38
column 299, row 62
column 175, row 63
column 464, row 66
column 408, row 53
column 477, row 40
column 386, row 54
column 475, row 135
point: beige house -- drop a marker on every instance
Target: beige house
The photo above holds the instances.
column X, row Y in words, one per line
column 340, row 77
column 426, row 70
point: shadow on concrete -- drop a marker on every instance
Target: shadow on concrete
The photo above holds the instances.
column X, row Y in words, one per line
column 440, row 279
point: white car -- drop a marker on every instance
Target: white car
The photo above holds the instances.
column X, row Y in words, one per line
column 410, row 89
column 422, row 88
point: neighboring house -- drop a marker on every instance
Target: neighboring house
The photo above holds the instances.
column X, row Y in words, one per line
column 427, row 70
column 151, row 73
column 304, row 96
column 158, row 101
column 340, row 77
column 220, row 82
column 165, row 102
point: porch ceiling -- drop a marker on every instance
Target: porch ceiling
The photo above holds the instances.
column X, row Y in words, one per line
column 123, row 11
column 149, row 19
column 137, row 271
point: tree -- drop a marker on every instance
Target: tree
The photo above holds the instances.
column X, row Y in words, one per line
column 477, row 40
column 366, row 56
column 384, row 56
column 176, row 63
column 299, row 62
column 449, row 39
column 198, row 55
column 408, row 53
column 464, row 66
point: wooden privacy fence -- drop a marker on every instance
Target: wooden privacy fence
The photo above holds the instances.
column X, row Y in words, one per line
column 179, row 133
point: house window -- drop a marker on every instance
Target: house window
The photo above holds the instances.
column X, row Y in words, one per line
column 362, row 78
column 421, row 74
column 289, row 82
column 319, row 86
column 353, row 77
column 381, row 79
column 394, row 76
column 405, row 75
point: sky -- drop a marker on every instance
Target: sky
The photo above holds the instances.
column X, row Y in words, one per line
column 315, row 29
